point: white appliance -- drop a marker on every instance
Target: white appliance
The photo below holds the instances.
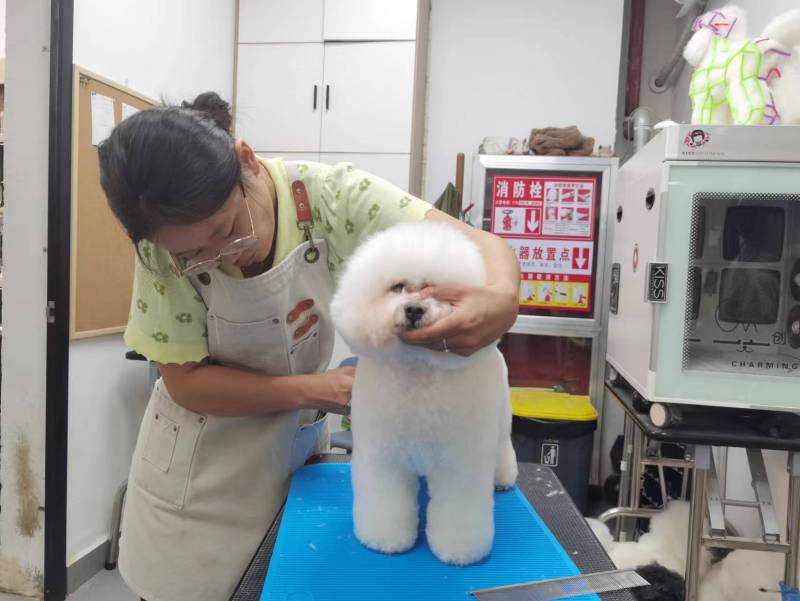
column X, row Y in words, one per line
column 705, row 280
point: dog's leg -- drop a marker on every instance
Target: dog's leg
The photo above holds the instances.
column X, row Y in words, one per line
column 505, row 474
column 460, row 514
column 385, row 508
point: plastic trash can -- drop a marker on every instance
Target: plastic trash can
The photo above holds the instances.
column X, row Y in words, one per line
column 556, row 429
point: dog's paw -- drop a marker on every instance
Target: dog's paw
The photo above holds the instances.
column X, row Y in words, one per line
column 459, row 546
column 505, row 474
column 386, row 534
column 505, row 477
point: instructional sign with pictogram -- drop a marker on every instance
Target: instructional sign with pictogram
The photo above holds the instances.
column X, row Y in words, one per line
column 550, row 221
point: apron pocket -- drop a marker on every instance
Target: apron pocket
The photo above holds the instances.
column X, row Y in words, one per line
column 256, row 345
column 161, row 440
column 305, row 356
column 168, row 440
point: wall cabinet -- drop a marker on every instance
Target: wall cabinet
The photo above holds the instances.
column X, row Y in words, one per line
column 298, row 95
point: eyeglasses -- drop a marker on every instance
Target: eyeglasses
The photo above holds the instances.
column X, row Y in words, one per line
column 230, row 249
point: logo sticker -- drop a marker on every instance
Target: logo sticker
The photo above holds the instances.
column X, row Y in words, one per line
column 550, row 454
column 657, row 282
column 696, row 138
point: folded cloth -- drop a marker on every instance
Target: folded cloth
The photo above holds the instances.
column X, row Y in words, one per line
column 584, row 150
column 560, row 141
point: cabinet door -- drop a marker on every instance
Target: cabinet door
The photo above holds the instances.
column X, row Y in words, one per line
column 370, row 20
column 391, row 167
column 367, row 97
column 276, row 107
column 280, row 21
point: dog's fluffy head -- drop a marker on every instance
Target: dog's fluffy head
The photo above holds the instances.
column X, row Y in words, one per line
column 378, row 293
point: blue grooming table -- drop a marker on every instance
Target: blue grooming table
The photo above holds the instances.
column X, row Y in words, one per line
column 333, row 565
column 316, row 538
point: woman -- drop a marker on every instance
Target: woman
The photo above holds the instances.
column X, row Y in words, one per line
column 233, row 275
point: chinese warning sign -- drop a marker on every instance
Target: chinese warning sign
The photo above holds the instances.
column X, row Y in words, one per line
column 550, row 222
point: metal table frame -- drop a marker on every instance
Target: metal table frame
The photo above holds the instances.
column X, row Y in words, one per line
column 556, row 510
column 708, row 491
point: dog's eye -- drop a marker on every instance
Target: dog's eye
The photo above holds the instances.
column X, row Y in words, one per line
column 397, row 288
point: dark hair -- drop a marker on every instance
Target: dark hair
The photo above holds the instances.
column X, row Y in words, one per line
column 169, row 165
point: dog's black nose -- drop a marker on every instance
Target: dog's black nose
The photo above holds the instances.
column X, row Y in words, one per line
column 414, row 313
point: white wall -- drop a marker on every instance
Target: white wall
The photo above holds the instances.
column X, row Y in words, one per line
column 661, row 33
column 172, row 50
column 24, row 294
column 502, row 68
column 107, row 398
column 2, row 28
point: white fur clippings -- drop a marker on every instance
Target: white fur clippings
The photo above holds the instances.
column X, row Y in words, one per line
column 420, row 412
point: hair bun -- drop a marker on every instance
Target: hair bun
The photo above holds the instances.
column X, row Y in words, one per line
column 214, row 108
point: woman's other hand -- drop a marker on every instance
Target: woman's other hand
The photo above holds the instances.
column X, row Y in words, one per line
column 332, row 390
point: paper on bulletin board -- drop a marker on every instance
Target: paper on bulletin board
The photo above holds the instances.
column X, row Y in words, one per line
column 128, row 110
column 549, row 221
column 102, row 117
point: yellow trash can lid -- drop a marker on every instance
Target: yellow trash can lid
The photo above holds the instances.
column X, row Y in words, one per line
column 544, row 403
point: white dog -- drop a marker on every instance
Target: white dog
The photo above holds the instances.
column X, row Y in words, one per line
column 420, row 412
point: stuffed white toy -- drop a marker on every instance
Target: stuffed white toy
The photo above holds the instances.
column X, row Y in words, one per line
column 786, row 88
column 422, row 412
column 742, row 80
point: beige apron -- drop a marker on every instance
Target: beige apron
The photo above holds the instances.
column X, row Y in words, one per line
column 204, row 489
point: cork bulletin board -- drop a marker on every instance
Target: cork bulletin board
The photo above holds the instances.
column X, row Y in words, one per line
column 102, row 256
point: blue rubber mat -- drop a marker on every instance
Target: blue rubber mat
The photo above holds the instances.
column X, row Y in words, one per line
column 318, row 558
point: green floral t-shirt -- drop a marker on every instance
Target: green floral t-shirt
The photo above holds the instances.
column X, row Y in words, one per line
column 167, row 323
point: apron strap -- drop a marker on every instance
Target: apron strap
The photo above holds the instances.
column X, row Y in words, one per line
column 302, row 208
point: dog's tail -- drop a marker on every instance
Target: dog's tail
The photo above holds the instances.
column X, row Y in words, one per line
column 785, row 28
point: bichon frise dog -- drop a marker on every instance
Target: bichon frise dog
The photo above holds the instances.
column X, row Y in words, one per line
column 421, row 412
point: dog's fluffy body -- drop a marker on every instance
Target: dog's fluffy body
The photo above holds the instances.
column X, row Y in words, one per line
column 665, row 544
column 420, row 412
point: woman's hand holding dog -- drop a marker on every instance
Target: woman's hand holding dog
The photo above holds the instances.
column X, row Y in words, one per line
column 480, row 316
column 331, row 390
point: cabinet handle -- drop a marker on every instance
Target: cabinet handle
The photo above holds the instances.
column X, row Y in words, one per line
column 315, row 97
column 327, row 97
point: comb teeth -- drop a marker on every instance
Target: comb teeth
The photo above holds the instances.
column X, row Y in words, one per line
column 564, row 588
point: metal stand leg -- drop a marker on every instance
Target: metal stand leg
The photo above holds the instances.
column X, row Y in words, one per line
column 662, row 482
column 636, row 481
column 793, row 520
column 625, row 476
column 684, row 483
column 766, row 508
column 702, row 463
column 116, row 523
column 716, row 510
column 722, row 473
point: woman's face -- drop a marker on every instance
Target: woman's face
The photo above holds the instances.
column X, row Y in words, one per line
column 205, row 239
